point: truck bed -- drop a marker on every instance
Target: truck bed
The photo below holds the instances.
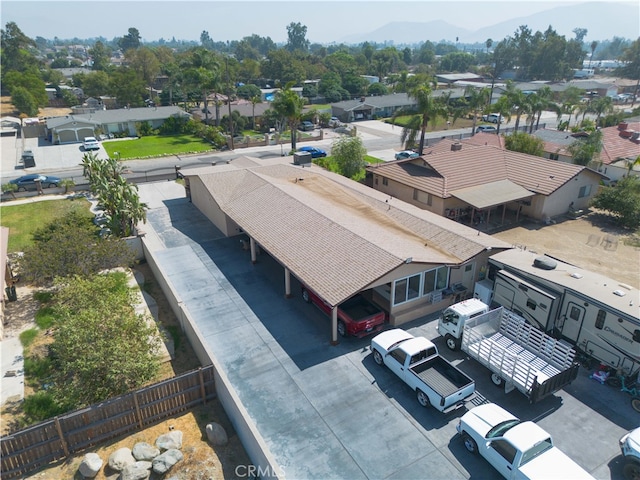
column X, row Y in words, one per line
column 359, row 308
column 521, row 354
column 441, row 376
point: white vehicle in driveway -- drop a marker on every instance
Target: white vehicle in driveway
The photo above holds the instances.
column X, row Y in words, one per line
column 630, row 448
column 493, row 118
column 517, row 450
column 90, row 143
column 415, row 360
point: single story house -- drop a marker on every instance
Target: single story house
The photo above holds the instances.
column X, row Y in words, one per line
column 243, row 107
column 368, row 108
column 472, row 183
column 73, row 128
column 339, row 237
column 620, row 149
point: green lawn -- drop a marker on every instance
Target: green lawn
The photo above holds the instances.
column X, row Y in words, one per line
column 441, row 124
column 156, row 146
column 26, row 218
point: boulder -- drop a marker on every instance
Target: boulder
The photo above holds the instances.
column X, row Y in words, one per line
column 136, row 471
column 120, row 459
column 163, row 462
column 216, row 434
column 90, row 465
column 144, row 451
column 170, row 440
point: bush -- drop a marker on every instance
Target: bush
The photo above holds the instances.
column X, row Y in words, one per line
column 41, row 406
column 45, row 318
column 28, row 336
column 37, row 368
column 144, row 129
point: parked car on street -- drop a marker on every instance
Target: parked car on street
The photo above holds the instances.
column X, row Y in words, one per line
column 492, row 118
column 314, row 151
column 486, row 129
column 406, row 154
column 306, row 126
column 90, row 143
column 28, row 182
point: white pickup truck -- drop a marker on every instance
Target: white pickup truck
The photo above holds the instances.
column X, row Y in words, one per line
column 630, row 448
column 416, row 361
column 518, row 450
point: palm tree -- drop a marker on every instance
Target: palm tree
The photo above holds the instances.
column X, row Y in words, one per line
column 288, row 105
column 518, row 100
column 476, row 101
column 570, row 102
column 540, row 101
column 601, row 106
column 503, row 108
column 255, row 99
column 427, row 108
column 594, row 44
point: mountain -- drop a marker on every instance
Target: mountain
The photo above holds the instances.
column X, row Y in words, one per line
column 410, row 32
column 603, row 21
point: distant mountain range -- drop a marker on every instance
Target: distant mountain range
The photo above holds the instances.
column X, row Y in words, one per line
column 602, row 20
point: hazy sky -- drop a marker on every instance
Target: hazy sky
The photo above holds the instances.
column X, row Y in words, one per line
column 326, row 21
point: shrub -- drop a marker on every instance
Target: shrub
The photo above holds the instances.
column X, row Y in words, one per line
column 41, row 406
column 28, row 336
column 45, row 318
column 37, row 368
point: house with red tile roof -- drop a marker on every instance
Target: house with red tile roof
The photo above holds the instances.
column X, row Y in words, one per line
column 470, row 180
column 620, row 148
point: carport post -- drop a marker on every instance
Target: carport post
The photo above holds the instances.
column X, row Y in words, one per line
column 334, row 326
column 287, row 283
column 252, row 243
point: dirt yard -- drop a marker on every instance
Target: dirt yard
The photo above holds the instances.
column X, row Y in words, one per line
column 592, row 242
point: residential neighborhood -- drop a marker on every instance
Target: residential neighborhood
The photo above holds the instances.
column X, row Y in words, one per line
column 248, row 259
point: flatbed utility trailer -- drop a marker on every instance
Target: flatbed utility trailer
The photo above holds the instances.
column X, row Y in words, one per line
column 519, row 355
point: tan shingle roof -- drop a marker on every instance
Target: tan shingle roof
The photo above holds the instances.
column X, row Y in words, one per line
column 336, row 235
column 475, row 165
column 614, row 146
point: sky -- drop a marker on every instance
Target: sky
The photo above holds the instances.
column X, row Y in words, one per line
column 327, row 21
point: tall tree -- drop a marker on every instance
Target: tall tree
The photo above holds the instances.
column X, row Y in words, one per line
column 586, row 150
column 15, row 53
column 100, row 56
column 130, row 40
column 540, row 101
column 594, row 45
column 297, row 37
column 524, row 143
column 631, row 56
column 623, row 201
column 428, row 108
column 288, row 106
column 476, row 100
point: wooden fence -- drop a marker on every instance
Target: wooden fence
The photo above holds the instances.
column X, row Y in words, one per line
column 63, row 436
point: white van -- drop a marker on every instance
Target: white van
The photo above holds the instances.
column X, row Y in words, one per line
column 452, row 320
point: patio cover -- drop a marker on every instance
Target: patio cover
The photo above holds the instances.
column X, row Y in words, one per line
column 492, row 194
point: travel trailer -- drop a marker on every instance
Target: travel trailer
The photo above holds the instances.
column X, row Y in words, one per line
column 596, row 314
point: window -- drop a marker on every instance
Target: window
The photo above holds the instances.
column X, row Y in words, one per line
column 420, row 285
column 600, row 319
column 436, row 279
column 553, row 156
column 422, row 197
column 406, row 289
column 585, row 191
column 505, row 449
column 376, row 180
column 399, row 355
column 574, row 314
column 385, row 181
column 636, row 335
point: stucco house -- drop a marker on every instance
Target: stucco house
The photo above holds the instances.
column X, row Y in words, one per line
column 339, row 237
column 480, row 183
column 73, row 128
column 620, row 149
column 367, row 108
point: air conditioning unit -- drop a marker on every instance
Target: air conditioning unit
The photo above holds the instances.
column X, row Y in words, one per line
column 301, row 158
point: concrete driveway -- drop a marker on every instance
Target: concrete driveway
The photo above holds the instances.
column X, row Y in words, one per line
column 331, row 412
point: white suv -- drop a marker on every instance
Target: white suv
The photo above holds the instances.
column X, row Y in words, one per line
column 492, row 118
column 90, row 143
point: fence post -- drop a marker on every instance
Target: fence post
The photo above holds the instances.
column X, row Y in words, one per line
column 202, row 391
column 138, row 413
column 62, row 441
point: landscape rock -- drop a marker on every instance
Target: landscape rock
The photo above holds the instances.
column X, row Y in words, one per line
column 137, row 471
column 163, row 463
column 144, row 451
column 216, row 434
column 120, row 459
column 90, row 465
column 170, row 440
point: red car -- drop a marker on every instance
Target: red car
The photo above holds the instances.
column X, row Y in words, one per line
column 357, row 316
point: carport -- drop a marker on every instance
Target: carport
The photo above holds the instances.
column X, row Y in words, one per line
column 336, row 236
column 486, row 196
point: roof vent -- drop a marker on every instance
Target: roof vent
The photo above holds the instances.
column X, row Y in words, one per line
column 456, row 147
column 575, row 275
column 545, row 263
column 619, row 293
